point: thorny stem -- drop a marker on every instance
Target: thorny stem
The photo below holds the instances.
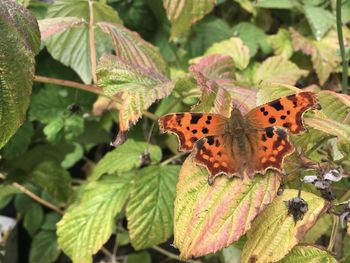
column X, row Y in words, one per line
column 342, row 49
column 334, row 232
column 176, row 156
column 92, row 43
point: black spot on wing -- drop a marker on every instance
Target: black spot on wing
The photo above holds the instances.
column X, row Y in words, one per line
column 210, row 140
column 194, row 131
column 283, row 117
column 287, row 125
column 277, row 105
column 272, row 120
column 269, row 132
column 217, row 143
column 195, row 118
column 205, row 130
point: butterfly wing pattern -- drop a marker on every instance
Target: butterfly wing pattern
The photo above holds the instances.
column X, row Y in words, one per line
column 252, row 144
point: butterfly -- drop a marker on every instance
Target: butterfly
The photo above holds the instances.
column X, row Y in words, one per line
column 241, row 145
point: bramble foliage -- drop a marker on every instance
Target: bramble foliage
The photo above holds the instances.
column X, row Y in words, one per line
column 108, row 69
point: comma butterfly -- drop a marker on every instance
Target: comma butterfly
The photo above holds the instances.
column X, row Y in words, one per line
column 241, row 145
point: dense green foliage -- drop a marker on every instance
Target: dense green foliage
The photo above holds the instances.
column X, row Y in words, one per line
column 106, row 70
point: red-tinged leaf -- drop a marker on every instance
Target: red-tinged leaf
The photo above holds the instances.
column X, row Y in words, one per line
column 209, row 218
column 129, row 46
column 138, row 87
column 322, row 52
column 184, row 13
column 274, row 232
column 51, row 26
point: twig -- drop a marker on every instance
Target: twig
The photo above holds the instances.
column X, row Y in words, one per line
column 342, row 49
column 170, row 255
column 334, row 233
column 70, row 84
column 37, row 198
column 176, row 156
column 92, row 42
column 106, row 252
column 115, row 249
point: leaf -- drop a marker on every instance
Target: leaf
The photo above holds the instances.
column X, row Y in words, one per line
column 253, row 37
column 44, row 247
column 308, row 254
column 19, row 43
column 138, row 86
column 277, row 4
column 51, row 26
column 33, row 218
column 51, row 177
column 323, row 52
column 274, row 233
column 130, row 47
column 279, row 70
column 6, row 193
column 209, row 218
column 72, row 46
column 320, row 20
column 125, row 158
column 19, row 143
column 234, row 48
column 87, row 225
column 150, row 208
column 231, row 254
column 143, row 257
column 183, row 14
column 329, row 126
column 282, row 43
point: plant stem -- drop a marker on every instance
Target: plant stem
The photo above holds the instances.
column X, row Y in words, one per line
column 334, row 233
column 70, row 84
column 92, row 42
column 342, row 49
column 176, row 156
column 170, row 255
column 37, row 198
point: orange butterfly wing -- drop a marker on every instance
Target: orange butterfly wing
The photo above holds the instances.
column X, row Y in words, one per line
column 286, row 112
column 190, row 127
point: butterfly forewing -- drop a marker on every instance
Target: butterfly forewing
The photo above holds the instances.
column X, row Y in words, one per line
column 190, row 127
column 286, row 112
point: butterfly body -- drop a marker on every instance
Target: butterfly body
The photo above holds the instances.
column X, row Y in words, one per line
column 241, row 145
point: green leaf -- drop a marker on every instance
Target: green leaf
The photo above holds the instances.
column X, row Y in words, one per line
column 19, row 143
column 320, row 20
column 50, row 26
column 19, row 43
column 279, row 70
column 274, row 232
column 277, row 4
column 88, row 224
column 282, row 43
column 308, row 254
column 6, row 193
column 138, row 86
column 44, row 247
column 183, row 14
column 124, row 158
column 323, row 52
column 231, row 254
column 51, row 177
column 253, row 37
column 234, row 48
column 33, row 218
column 209, row 218
column 130, row 47
column 150, row 209
column 72, row 46
column 143, row 257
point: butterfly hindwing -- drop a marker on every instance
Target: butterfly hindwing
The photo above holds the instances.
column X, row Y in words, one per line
column 286, row 112
column 214, row 152
column 270, row 146
column 190, row 127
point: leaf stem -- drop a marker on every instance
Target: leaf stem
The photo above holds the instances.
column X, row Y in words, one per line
column 170, row 255
column 37, row 198
column 176, row 156
column 333, row 233
column 70, row 84
column 92, row 43
column 342, row 49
